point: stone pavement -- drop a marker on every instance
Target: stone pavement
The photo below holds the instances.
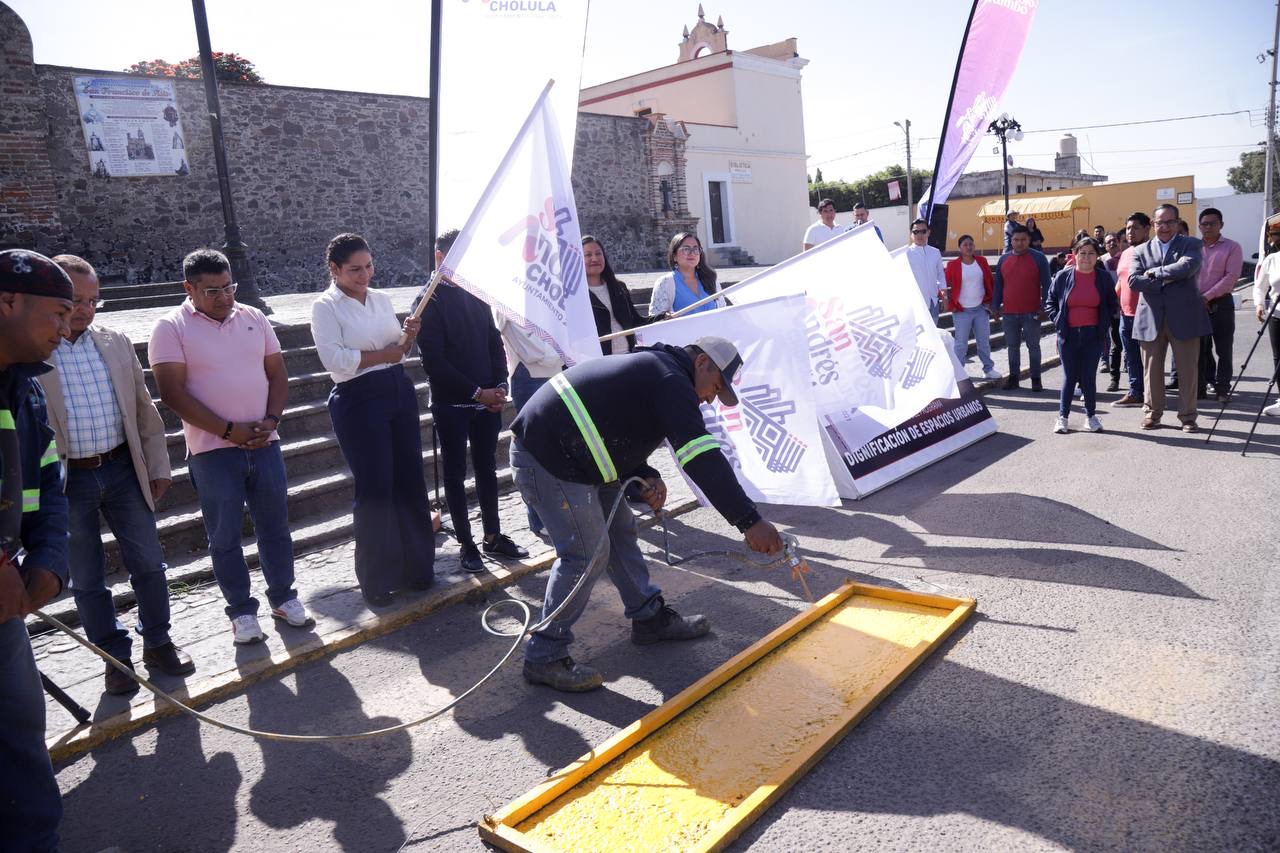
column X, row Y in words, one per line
column 1117, row 689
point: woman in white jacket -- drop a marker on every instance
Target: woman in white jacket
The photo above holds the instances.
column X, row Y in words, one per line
column 691, row 278
column 1266, row 283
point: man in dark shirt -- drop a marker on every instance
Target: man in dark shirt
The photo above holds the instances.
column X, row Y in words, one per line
column 582, row 435
column 463, row 356
column 35, row 306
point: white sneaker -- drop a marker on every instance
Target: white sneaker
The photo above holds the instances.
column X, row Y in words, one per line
column 294, row 614
column 1093, row 424
column 991, row 373
column 1060, row 426
column 1273, row 410
column 246, row 630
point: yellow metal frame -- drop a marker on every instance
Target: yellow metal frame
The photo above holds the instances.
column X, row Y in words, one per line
column 500, row 829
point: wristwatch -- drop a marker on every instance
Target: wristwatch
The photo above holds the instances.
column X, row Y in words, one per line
column 275, row 418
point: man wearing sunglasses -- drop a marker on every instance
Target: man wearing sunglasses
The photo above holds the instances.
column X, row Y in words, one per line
column 219, row 366
column 111, row 442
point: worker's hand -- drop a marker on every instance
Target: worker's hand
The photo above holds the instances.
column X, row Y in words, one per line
column 158, row 488
column 42, row 586
column 13, row 593
column 763, row 538
column 654, row 493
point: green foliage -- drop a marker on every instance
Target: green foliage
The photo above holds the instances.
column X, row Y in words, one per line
column 818, row 175
column 1249, row 176
column 230, row 67
column 873, row 190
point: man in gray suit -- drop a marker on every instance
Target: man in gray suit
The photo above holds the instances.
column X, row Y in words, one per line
column 1165, row 273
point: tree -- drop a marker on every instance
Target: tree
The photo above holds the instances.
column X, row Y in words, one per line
column 873, row 190
column 818, row 176
column 229, row 67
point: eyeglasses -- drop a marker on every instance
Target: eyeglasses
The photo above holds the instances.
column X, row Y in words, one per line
column 1165, row 222
column 215, row 292
column 689, row 250
column 915, row 231
column 88, row 303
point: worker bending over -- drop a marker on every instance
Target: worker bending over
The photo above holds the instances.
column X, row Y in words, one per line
column 578, row 439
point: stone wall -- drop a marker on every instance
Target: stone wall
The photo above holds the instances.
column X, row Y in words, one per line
column 305, row 164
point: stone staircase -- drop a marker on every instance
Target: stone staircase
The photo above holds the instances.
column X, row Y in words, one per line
column 320, row 485
column 731, row 256
column 118, row 295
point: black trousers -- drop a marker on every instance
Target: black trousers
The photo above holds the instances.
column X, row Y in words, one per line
column 456, row 427
column 375, row 417
column 1113, row 357
column 1222, row 317
column 1273, row 330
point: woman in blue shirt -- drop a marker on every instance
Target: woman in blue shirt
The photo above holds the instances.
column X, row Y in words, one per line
column 690, row 280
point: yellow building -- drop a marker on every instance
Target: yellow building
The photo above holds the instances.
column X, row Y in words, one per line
column 1059, row 214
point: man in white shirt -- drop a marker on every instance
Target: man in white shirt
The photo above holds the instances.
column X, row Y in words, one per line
column 825, row 228
column 926, row 266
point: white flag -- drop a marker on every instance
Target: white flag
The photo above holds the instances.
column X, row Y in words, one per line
column 495, row 56
column 771, row 438
column 521, row 249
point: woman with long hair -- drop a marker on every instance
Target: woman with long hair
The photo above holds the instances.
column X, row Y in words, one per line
column 691, row 278
column 374, row 409
column 1037, row 236
column 611, row 303
column 969, row 281
column 1081, row 302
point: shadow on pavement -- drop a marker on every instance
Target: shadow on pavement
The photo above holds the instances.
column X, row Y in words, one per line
column 340, row 782
column 953, row 739
column 174, row 799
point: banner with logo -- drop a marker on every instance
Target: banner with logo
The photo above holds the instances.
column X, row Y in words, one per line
column 771, row 438
column 989, row 53
column 876, row 358
column 495, row 57
column 521, row 249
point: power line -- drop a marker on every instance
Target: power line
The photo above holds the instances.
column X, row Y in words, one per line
column 857, row 153
column 1131, row 123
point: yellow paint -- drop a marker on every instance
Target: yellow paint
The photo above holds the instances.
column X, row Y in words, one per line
column 736, row 748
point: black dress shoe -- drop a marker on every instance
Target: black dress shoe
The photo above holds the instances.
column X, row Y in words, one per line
column 168, row 659
column 502, row 546
column 470, row 559
column 1010, row 384
column 1037, row 385
column 119, row 684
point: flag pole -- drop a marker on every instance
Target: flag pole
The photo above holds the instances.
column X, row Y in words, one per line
column 436, row 278
column 433, row 128
column 946, row 116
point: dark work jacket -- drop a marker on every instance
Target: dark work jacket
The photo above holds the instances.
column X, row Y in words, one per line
column 43, row 529
column 624, row 310
column 1055, row 304
column 636, row 401
column 461, row 348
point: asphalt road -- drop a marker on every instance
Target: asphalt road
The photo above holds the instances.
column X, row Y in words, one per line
column 1118, row 689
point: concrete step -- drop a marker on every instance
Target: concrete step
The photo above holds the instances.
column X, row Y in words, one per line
column 123, row 290
column 133, row 303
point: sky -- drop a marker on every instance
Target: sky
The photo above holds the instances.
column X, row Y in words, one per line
column 871, row 63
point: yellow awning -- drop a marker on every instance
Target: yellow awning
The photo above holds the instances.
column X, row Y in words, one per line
column 1042, row 207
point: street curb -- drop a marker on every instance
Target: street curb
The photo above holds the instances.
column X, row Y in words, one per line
column 235, row 679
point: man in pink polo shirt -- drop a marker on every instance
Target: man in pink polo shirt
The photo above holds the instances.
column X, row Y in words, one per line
column 1137, row 230
column 1220, row 269
column 219, row 367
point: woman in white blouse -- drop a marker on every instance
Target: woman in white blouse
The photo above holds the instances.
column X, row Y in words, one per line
column 691, row 278
column 1266, row 292
column 374, row 410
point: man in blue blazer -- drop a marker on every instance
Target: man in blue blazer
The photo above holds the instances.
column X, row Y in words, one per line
column 1165, row 273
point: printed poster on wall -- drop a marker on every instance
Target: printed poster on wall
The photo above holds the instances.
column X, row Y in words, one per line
column 131, row 126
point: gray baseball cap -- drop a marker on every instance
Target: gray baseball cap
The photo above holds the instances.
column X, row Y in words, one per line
column 726, row 357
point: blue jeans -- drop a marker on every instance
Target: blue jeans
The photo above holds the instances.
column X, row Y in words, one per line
column 1079, row 349
column 574, row 514
column 1019, row 328
column 375, row 417
column 114, row 491
column 978, row 321
column 1132, row 356
column 226, row 479
column 30, row 805
column 522, row 387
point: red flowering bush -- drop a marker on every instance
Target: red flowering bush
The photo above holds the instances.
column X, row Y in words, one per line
column 228, row 66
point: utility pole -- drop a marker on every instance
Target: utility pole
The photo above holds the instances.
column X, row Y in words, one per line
column 1268, row 207
column 233, row 247
column 907, row 130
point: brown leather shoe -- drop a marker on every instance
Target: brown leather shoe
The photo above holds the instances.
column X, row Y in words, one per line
column 1190, row 426
column 169, row 659
column 1128, row 400
column 119, row 684
column 1150, row 423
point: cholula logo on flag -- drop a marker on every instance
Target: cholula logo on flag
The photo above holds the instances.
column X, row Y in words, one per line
column 762, row 411
column 526, row 263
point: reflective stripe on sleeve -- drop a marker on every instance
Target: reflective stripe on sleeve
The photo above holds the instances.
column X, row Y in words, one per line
column 6, row 420
column 586, row 426
column 50, row 453
column 30, row 500
column 696, row 448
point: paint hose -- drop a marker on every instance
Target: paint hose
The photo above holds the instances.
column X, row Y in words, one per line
column 598, row 561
